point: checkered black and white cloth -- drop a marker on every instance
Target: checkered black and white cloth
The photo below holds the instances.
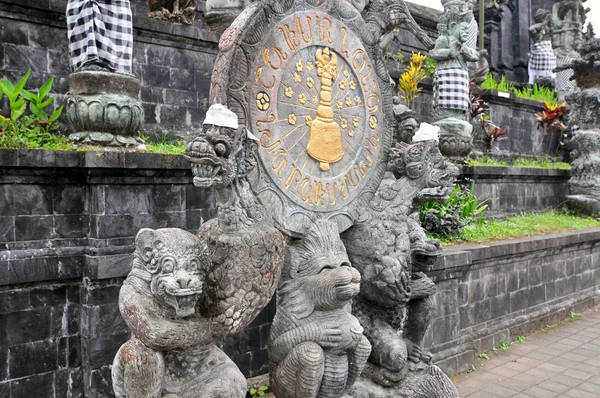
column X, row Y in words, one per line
column 101, row 31
column 563, row 78
column 473, row 34
column 451, row 88
column 541, row 56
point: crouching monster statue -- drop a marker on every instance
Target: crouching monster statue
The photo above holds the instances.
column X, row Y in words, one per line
column 186, row 292
column 316, row 346
column 394, row 305
column 172, row 352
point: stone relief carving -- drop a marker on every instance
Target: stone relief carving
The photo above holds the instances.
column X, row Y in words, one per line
column 180, row 11
column 451, row 78
column 172, row 352
column 568, row 17
column 394, row 305
column 316, row 346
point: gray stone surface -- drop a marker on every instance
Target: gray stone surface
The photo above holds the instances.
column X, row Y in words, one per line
column 530, row 369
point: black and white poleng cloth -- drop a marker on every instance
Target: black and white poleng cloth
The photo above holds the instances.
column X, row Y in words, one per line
column 451, row 88
column 100, row 31
column 541, row 56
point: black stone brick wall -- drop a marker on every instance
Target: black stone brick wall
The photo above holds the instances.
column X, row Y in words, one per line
column 491, row 293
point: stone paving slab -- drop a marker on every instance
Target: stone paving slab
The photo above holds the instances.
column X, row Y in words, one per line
column 560, row 362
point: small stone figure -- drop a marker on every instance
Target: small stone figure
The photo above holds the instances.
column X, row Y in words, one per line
column 316, row 346
column 172, row 352
column 391, row 252
column 451, row 78
column 103, row 104
column 406, row 123
column 542, row 60
column 180, row 11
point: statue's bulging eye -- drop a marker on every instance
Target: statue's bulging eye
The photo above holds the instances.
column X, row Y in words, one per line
column 220, row 149
column 193, row 265
column 168, row 264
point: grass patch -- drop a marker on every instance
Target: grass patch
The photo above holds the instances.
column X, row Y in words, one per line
column 535, row 92
column 171, row 148
column 520, row 226
column 545, row 163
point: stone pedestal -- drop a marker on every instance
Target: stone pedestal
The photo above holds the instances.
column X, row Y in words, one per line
column 104, row 108
column 455, row 138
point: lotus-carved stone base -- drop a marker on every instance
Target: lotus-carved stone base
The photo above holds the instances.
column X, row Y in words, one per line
column 103, row 108
column 456, row 140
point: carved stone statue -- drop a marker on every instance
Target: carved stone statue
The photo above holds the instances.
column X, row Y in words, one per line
column 584, row 117
column 216, row 283
column 391, row 251
column 172, row 352
column 567, row 36
column 316, row 346
column 542, row 60
column 246, row 250
column 103, row 104
column 406, row 122
column 451, row 78
column 180, row 11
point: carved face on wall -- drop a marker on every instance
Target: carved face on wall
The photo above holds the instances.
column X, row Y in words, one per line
column 460, row 31
column 176, row 263
column 407, row 129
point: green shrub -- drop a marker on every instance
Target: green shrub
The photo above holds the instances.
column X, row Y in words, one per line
column 461, row 209
column 35, row 130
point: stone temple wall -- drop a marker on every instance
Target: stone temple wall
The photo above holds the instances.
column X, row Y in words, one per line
column 67, row 227
column 173, row 61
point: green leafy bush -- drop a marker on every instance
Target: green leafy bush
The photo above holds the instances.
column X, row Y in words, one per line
column 535, row 92
column 461, row 209
column 35, row 130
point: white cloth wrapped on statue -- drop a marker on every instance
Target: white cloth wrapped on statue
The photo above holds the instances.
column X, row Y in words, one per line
column 100, row 31
column 563, row 78
column 473, row 34
column 451, row 88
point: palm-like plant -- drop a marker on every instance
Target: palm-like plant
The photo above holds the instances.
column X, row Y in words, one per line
column 550, row 118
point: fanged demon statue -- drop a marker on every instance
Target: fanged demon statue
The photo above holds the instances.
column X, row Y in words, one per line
column 172, row 352
column 245, row 249
column 316, row 346
column 391, row 251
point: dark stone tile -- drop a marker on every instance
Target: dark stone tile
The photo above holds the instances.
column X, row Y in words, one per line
column 74, row 352
column 100, row 383
column 32, row 199
column 5, row 389
column 33, row 358
column 59, row 61
column 48, row 296
column 128, row 199
column 14, row 32
column 24, row 327
column 69, row 383
column 7, row 229
column 34, row 227
column 100, row 351
column 181, row 98
column 70, row 199
column 15, row 300
column 259, row 363
column 29, row 270
column 169, row 198
column 38, row 386
column 155, row 76
column 18, row 57
column 3, row 364
column 113, row 226
column 71, row 226
column 154, row 95
column 96, row 295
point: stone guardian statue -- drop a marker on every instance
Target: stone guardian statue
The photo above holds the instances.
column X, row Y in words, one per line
column 451, row 78
column 103, row 104
column 542, row 60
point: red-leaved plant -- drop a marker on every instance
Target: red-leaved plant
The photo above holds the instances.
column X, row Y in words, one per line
column 550, row 118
